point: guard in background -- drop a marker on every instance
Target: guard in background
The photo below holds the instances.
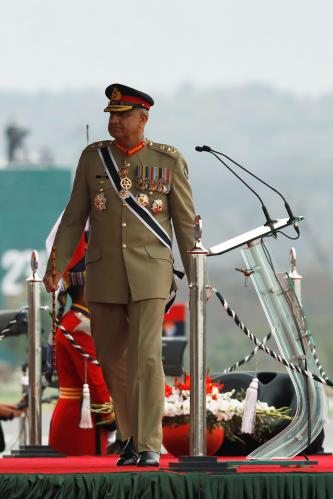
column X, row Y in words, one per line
column 133, row 190
column 74, row 371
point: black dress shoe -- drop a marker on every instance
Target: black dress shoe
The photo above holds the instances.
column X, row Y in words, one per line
column 149, row 458
column 128, row 456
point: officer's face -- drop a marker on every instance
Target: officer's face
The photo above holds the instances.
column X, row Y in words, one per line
column 128, row 126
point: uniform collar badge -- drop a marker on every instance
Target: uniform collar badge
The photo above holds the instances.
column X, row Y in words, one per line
column 129, row 151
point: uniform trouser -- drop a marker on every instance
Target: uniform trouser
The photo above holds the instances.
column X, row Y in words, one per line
column 129, row 348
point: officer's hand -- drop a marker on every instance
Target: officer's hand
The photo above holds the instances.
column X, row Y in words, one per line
column 50, row 282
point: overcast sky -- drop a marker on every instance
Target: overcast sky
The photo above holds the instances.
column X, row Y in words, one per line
column 158, row 46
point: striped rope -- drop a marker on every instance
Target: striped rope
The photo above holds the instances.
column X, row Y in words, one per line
column 2, row 335
column 315, row 357
column 76, row 345
column 67, row 334
column 264, row 348
column 4, row 332
column 248, row 357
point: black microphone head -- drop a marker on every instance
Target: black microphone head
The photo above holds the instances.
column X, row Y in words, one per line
column 203, row 148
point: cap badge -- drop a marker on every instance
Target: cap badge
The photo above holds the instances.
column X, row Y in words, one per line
column 116, row 94
column 100, row 201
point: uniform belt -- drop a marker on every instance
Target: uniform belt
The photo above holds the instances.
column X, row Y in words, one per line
column 70, row 393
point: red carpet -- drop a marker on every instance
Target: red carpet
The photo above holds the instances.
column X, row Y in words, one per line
column 107, row 464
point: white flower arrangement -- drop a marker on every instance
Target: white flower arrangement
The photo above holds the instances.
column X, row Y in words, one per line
column 224, row 409
column 222, row 405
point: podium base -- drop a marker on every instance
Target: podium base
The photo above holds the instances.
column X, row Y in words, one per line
column 210, row 464
column 35, row 451
column 201, row 463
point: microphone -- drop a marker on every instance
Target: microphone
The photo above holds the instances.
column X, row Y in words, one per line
column 269, row 220
column 203, row 148
column 292, row 218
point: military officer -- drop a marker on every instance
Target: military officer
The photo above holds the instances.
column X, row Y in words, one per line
column 132, row 189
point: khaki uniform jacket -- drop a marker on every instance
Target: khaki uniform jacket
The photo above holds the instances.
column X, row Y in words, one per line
column 124, row 258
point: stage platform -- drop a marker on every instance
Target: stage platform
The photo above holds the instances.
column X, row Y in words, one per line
column 99, row 478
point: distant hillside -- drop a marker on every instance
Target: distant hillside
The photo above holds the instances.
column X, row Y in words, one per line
column 283, row 138
column 255, row 122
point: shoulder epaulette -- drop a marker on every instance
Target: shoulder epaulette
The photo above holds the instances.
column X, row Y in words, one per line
column 96, row 145
column 163, row 148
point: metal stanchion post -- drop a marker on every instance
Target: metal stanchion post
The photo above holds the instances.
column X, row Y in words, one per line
column 35, row 355
column 198, row 273
column 23, row 424
column 198, row 459
column 35, row 447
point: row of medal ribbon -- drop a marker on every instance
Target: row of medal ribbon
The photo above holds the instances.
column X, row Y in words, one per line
column 152, row 178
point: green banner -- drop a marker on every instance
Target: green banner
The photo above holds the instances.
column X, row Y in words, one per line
column 30, row 203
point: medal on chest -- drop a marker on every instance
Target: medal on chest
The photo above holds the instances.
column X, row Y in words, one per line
column 157, row 206
column 153, row 179
column 125, row 181
column 143, row 200
column 100, row 201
